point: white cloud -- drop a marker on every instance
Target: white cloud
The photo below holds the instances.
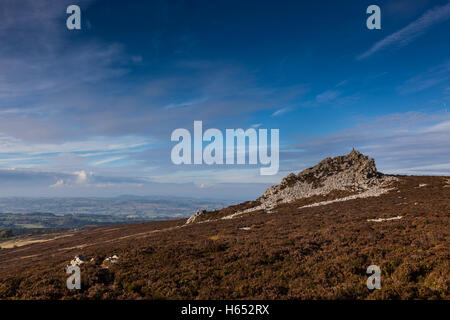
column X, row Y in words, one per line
column 327, row 96
column 280, row 112
column 435, row 76
column 108, row 160
column 440, row 127
column 209, row 177
column 59, row 183
column 82, row 177
column 96, row 144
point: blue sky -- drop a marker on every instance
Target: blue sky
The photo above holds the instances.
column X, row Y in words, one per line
column 90, row 112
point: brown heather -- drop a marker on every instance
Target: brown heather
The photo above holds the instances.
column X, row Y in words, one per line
column 288, row 252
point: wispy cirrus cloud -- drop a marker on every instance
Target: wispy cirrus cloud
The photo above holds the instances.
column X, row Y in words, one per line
column 431, row 78
column 98, row 145
column 327, row 96
column 91, row 153
column 331, row 97
column 280, row 112
column 108, row 160
column 411, row 31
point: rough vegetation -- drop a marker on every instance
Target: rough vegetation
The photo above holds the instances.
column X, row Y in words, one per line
column 319, row 252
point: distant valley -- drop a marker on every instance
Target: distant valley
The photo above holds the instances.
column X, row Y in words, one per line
column 20, row 216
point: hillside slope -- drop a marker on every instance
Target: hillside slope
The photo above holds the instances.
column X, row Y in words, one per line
column 306, row 248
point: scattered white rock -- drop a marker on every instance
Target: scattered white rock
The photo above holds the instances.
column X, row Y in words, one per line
column 374, row 192
column 234, row 215
column 447, row 183
column 78, row 260
column 385, row 219
column 112, row 259
column 245, row 228
column 422, row 185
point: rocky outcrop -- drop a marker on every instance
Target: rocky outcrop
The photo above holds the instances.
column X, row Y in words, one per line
column 195, row 216
column 355, row 173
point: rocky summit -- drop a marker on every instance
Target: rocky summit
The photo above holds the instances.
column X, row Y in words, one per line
column 353, row 172
column 340, row 178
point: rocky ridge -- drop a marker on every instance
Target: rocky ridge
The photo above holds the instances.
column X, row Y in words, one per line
column 354, row 173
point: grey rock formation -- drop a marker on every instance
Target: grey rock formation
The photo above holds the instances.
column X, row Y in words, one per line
column 194, row 217
column 353, row 172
